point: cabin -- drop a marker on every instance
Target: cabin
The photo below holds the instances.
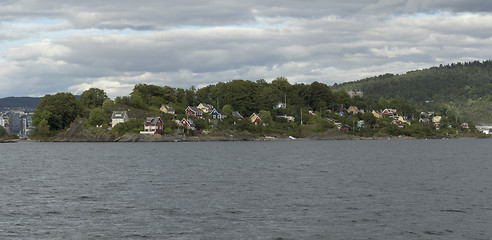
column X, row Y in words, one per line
column 119, row 117
column 194, row 112
column 218, row 114
column 165, row 108
column 152, row 125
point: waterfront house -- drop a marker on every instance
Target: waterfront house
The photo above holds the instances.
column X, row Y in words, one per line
column 152, row 125
column 119, row 117
column 165, row 108
column 194, row 112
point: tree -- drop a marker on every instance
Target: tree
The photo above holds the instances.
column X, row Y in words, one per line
column 266, row 116
column 3, row 132
column 93, row 97
column 58, row 110
column 96, row 117
column 227, row 109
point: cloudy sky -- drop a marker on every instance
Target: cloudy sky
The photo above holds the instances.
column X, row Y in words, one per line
column 72, row 45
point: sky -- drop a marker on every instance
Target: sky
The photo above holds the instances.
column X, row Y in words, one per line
column 71, row 45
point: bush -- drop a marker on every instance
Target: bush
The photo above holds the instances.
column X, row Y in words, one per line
column 132, row 126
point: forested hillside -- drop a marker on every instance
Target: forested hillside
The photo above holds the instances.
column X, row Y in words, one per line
column 15, row 102
column 463, row 91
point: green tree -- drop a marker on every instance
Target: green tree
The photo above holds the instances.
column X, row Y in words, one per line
column 227, row 109
column 96, row 117
column 58, row 110
column 266, row 117
column 42, row 129
column 93, row 97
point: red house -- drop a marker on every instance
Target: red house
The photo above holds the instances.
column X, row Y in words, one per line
column 194, row 111
column 152, row 125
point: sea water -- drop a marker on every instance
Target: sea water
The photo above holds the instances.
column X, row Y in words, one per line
column 375, row 189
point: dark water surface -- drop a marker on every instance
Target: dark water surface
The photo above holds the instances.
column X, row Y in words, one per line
column 403, row 189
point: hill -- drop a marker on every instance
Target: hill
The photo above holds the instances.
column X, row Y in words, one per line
column 19, row 102
column 462, row 91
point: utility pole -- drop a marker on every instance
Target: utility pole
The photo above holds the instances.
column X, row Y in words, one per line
column 301, row 116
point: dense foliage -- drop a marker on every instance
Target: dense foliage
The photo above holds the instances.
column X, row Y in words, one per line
column 285, row 109
column 463, row 91
column 54, row 113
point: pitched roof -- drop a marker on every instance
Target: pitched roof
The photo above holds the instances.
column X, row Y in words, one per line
column 119, row 114
column 236, row 114
column 219, row 111
column 152, row 120
column 196, row 109
column 168, row 108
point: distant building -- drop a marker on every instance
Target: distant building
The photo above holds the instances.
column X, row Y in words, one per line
column 352, row 93
column 165, row 108
column 152, row 125
column 119, row 117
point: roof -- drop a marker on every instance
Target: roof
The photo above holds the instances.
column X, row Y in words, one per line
column 219, row 111
column 195, row 109
column 207, row 105
column 119, row 114
column 152, row 120
column 236, row 114
column 168, row 108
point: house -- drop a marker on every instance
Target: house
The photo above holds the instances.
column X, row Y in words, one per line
column 397, row 123
column 424, row 120
column 188, row 123
column 218, row 114
column 119, row 117
column 194, row 112
column 206, row 108
column 165, row 108
column 280, row 105
column 376, row 114
column 436, row 119
column 353, row 93
column 152, row 125
column 255, row 119
column 465, row 125
column 352, row 110
column 388, row 111
column 237, row 115
column 361, row 123
column 288, row 118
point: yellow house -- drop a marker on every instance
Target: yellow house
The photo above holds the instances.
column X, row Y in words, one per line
column 119, row 117
column 436, row 119
column 376, row 114
column 352, row 110
column 206, row 108
column 403, row 120
column 165, row 108
column 255, row 119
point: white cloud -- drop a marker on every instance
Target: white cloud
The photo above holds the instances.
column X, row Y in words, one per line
column 74, row 45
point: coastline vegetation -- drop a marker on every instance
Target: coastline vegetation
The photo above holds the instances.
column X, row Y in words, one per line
column 306, row 110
